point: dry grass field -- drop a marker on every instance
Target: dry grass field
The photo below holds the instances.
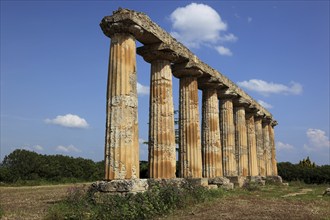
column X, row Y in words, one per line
column 30, row 202
column 271, row 202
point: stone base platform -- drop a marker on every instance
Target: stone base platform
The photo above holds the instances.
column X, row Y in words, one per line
column 142, row 185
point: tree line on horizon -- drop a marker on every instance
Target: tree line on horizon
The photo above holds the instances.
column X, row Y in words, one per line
column 23, row 166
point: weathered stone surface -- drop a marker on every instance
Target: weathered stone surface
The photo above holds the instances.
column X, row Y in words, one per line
column 267, row 149
column 197, row 181
column 190, row 157
column 260, row 146
column 260, row 180
column 121, row 186
column 252, row 147
column 273, row 149
column 221, row 182
column 149, row 33
column 238, row 181
column 228, row 137
column 211, row 141
column 240, row 150
column 274, row 180
column 162, row 158
column 176, row 182
column 212, row 187
column 121, row 144
column 241, row 141
column 327, row 192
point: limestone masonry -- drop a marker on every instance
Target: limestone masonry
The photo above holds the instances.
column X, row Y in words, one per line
column 235, row 138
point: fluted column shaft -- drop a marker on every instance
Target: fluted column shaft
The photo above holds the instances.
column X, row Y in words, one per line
column 273, row 150
column 190, row 143
column 121, row 144
column 267, row 149
column 211, row 142
column 241, row 141
column 252, row 147
column 227, row 128
column 260, row 146
column 162, row 159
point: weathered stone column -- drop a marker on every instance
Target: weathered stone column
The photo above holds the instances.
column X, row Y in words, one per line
column 260, row 145
column 121, row 144
column 241, row 138
column 227, row 129
column 267, row 153
column 211, row 141
column 162, row 159
column 252, row 147
column 273, row 149
column 162, row 154
column 190, row 157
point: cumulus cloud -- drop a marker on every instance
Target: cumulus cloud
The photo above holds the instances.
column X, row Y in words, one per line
column 224, row 51
column 67, row 149
column 199, row 24
column 265, row 104
column 142, row 90
column 196, row 24
column 283, row 146
column 317, row 140
column 266, row 88
column 68, row 120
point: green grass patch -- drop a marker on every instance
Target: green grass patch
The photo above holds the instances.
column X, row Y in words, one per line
column 82, row 204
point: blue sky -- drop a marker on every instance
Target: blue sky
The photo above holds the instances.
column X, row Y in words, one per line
column 54, row 60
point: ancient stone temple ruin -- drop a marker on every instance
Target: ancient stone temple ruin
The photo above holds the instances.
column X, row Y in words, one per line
column 234, row 139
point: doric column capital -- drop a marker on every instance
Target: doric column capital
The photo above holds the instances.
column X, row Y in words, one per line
column 259, row 115
column 109, row 29
column 187, row 69
column 209, row 83
column 227, row 94
column 242, row 102
column 273, row 123
column 267, row 120
column 159, row 51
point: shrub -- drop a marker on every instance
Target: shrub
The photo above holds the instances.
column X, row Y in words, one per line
column 307, row 174
column 156, row 201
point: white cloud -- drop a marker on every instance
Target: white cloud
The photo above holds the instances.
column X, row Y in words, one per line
column 249, row 19
column 197, row 24
column 228, row 38
column 266, row 88
column 38, row 147
column 265, row 104
column 67, row 149
column 69, row 120
column 317, row 140
column 283, row 146
column 142, row 90
column 224, row 51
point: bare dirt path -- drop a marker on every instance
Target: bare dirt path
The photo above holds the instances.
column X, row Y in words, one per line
column 30, row 202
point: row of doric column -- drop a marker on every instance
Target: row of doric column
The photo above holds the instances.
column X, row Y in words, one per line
column 234, row 140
